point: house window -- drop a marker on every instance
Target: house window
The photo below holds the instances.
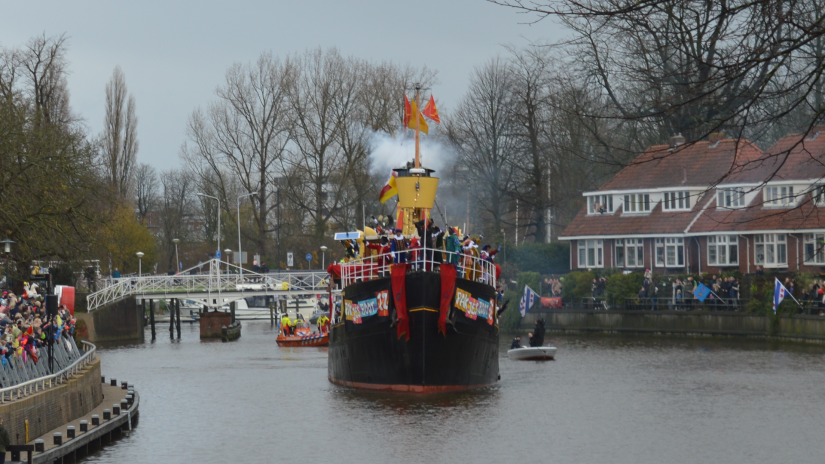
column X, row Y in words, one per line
column 637, row 203
column 675, row 201
column 591, row 253
column 599, row 204
column 771, row 250
column 630, row 252
column 723, row 250
column 814, row 248
column 776, row 196
column 731, row 197
column 670, row 252
column 819, row 195
column 660, row 252
column 620, row 252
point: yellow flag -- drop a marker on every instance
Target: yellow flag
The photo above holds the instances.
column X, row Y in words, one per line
column 422, row 123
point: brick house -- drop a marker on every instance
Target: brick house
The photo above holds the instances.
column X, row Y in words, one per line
column 706, row 207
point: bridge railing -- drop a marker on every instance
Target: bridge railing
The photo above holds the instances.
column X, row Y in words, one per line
column 20, row 379
column 219, row 277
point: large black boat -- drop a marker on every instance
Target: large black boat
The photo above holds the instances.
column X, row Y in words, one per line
column 418, row 319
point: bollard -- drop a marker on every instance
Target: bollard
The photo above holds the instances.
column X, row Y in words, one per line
column 124, row 404
column 58, row 439
column 70, row 432
column 95, row 420
column 84, row 426
column 39, row 445
column 131, row 387
column 107, row 414
column 103, row 379
column 124, row 385
column 130, row 400
column 113, row 383
column 115, row 410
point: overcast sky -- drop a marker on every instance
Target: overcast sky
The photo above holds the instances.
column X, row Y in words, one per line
column 174, row 53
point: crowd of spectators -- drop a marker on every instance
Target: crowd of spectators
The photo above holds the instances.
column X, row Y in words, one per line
column 25, row 326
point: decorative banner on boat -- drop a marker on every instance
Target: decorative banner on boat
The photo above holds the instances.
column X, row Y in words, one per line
column 366, row 308
column 383, row 298
column 473, row 308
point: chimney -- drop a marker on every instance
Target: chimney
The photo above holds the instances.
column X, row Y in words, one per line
column 715, row 137
column 677, row 140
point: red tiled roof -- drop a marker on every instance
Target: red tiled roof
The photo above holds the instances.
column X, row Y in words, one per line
column 695, row 164
column 754, row 217
column 657, row 222
column 795, row 156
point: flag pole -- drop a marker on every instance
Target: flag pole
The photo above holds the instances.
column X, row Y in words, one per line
column 417, row 127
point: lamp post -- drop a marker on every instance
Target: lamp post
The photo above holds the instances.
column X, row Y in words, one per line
column 240, row 250
column 140, row 262
column 7, row 249
column 226, row 252
column 323, row 255
column 177, row 258
column 219, row 219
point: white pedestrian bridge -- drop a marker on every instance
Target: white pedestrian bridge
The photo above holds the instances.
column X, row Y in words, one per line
column 218, row 284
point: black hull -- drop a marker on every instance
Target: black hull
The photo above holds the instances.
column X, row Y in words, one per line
column 373, row 357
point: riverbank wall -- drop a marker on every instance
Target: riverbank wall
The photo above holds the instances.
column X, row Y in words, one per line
column 54, row 406
column 806, row 328
column 121, row 321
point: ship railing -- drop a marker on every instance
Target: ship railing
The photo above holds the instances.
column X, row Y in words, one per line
column 418, row 259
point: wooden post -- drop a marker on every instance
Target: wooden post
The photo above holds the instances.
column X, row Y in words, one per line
column 232, row 307
column 271, row 313
column 177, row 312
column 151, row 316
column 171, row 318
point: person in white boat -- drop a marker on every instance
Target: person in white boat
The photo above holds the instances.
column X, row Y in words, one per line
column 537, row 337
column 516, row 343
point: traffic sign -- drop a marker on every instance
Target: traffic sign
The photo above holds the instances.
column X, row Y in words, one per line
column 289, row 261
column 309, row 257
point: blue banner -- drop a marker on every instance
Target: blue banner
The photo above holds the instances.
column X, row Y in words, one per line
column 701, row 292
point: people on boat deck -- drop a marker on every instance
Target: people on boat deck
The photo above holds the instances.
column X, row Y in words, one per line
column 516, row 343
column 399, row 246
column 286, row 325
column 538, row 335
column 453, row 246
column 322, row 324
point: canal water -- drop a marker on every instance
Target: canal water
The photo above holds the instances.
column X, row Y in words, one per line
column 606, row 399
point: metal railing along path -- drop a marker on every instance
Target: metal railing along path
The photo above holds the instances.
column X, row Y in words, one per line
column 20, row 379
column 206, row 285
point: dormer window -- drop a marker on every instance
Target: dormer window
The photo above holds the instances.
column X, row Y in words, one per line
column 676, row 201
column 731, row 197
column 599, row 204
column 778, row 196
column 637, row 203
column 819, row 195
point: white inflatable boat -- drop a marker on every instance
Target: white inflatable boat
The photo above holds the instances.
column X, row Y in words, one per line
column 532, row 353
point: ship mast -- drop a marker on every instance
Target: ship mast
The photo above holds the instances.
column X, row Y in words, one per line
column 417, row 126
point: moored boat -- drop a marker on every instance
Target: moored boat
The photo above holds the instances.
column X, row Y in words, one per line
column 303, row 337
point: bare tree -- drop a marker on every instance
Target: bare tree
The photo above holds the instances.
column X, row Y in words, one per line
column 120, row 144
column 241, row 138
column 482, row 129
column 174, row 210
column 146, row 195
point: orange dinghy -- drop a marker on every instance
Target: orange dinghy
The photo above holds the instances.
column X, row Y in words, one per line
column 303, row 337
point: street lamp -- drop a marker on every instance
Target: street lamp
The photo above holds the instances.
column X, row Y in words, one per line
column 226, row 253
column 219, row 219
column 240, row 250
column 140, row 262
column 177, row 258
column 7, row 249
column 323, row 255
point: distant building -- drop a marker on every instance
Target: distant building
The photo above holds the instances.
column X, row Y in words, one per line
column 706, row 207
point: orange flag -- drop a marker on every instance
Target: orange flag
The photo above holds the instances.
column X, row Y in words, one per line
column 430, row 111
column 390, row 190
column 407, row 111
column 422, row 123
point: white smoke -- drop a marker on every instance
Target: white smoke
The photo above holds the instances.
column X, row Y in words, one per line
column 389, row 153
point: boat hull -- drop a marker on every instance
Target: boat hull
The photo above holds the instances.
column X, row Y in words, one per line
column 373, row 357
column 535, row 353
column 305, row 341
